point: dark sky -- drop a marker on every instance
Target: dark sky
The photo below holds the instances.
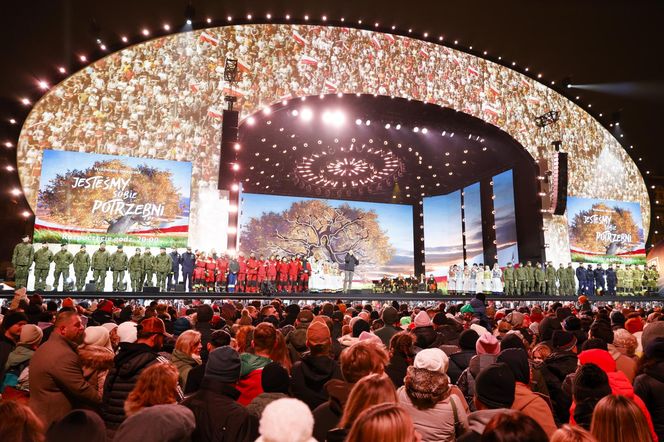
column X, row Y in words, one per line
column 593, row 42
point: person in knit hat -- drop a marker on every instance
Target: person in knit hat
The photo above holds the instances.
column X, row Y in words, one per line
column 487, row 348
column 286, row 420
column 425, row 334
column 158, row 423
column 96, row 354
column 276, row 385
column 15, row 369
column 78, row 426
column 67, row 303
column 215, row 405
column 560, row 363
column 127, row 332
column 103, row 313
column 10, row 333
column 459, row 361
column 390, row 317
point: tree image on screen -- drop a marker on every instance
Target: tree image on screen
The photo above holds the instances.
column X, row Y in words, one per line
column 604, row 229
column 110, row 195
column 315, row 228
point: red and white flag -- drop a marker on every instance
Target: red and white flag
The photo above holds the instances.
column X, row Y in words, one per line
column 375, row 42
column 237, row 92
column 207, row 38
column 243, row 65
column 533, row 99
column 299, row 39
column 491, row 110
column 309, row 60
column 473, row 71
column 390, row 38
column 330, row 86
column 525, row 82
column 494, row 90
column 215, row 113
column 423, row 52
column 194, row 87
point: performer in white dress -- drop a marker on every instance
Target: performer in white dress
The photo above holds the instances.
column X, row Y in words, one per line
column 316, row 278
column 459, row 279
column 496, row 278
column 467, row 279
column 451, row 280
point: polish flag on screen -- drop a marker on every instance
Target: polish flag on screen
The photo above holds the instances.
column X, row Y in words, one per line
column 194, row 87
column 423, row 52
column 533, row 100
column 309, row 60
column 234, row 91
column 375, row 42
column 330, row 86
column 472, row 70
column 494, row 90
column 207, row 38
column 243, row 65
column 488, row 109
column 299, row 39
column 525, row 82
column 215, row 113
column 390, row 38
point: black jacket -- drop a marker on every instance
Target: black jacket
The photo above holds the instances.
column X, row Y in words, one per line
column 328, row 415
column 205, row 329
column 649, row 386
column 350, row 261
column 129, row 363
column 309, row 376
column 99, row 317
column 458, row 363
column 218, row 415
column 396, row 369
column 555, row 369
column 425, row 337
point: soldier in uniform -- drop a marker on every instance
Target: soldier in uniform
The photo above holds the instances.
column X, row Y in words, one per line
column 63, row 259
column 581, row 276
column 163, row 265
column 562, row 282
column 520, row 279
column 81, row 267
column 43, row 260
column 627, row 276
column 611, row 281
column 188, row 261
column 508, row 277
column 22, row 259
column 653, row 278
column 136, row 271
column 148, row 268
column 550, row 278
column 540, row 284
column 530, row 277
column 119, row 267
column 101, row 260
column 620, row 280
column 599, row 278
column 637, row 277
column 174, row 276
column 569, row 275
column 590, row 280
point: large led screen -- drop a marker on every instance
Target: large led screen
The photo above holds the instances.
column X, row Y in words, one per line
column 381, row 235
column 472, row 210
column 443, row 240
column 603, row 231
column 87, row 198
column 505, row 218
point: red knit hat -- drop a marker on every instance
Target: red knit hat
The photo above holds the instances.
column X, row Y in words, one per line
column 487, row 344
column 67, row 303
column 105, row 306
column 634, row 325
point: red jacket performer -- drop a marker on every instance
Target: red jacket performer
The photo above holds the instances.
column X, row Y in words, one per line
column 210, row 270
column 222, row 272
column 282, row 275
column 305, row 273
column 252, row 273
column 242, row 274
column 199, row 274
column 293, row 271
column 262, row 272
column 272, row 264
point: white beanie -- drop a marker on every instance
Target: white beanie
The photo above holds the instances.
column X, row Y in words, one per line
column 30, row 335
column 422, row 319
column 127, row 332
column 286, row 420
column 110, row 326
column 98, row 336
column 432, row 359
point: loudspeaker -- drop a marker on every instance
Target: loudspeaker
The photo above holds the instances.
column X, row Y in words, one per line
column 150, row 289
column 227, row 153
column 90, row 287
column 561, row 195
column 229, row 127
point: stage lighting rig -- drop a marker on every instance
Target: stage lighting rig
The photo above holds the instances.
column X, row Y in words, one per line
column 547, row 118
column 230, row 75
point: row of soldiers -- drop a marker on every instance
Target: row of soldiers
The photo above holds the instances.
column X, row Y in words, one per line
column 142, row 267
column 545, row 279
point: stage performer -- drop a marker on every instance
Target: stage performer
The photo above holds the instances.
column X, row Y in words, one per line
column 653, row 278
column 136, row 271
column 530, row 277
column 188, row 261
column 119, row 267
column 81, row 267
column 599, row 278
column 590, row 281
column 467, row 282
column 487, row 280
column 581, row 276
column 508, row 276
column 496, row 275
column 199, row 274
column 163, row 266
column 43, row 259
column 432, row 285
column 101, row 261
column 638, row 279
column 520, row 273
column 472, row 284
column 451, row 280
column 210, row 272
column 560, row 279
column 62, row 260
column 233, row 269
column 271, row 275
column 261, row 276
column 242, row 274
column 282, row 275
column 222, row 273
column 350, row 262
column 611, row 280
column 459, row 279
column 305, row 274
column 22, row 259
column 252, row 273
column 293, row 270
column 174, row 276
column 148, row 268
column 571, row 281
column 540, row 284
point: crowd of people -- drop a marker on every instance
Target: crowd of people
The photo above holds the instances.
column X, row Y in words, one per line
column 330, row 371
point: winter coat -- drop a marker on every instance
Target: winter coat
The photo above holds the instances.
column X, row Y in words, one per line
column 57, row 385
column 425, row 337
column 555, row 369
column 205, row 329
column 466, row 382
column 99, row 317
column 385, row 334
column 194, row 379
column 396, row 369
column 96, row 361
column 458, row 363
column 251, row 375
column 184, row 363
column 649, row 386
column 477, row 421
column 328, row 414
column 623, row 362
column 309, row 376
column 534, row 405
column 128, row 365
column 218, row 415
column 18, row 360
column 188, row 261
column 158, row 423
column 350, row 261
column 261, row 401
column 436, row 423
column 6, row 346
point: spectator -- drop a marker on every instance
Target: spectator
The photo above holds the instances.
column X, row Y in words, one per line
column 649, row 383
column 112, row 328
column 618, row 419
column 625, row 343
column 459, row 361
column 97, row 356
column 57, row 385
column 556, row 367
column 16, row 367
column 425, row 335
column 383, row 422
column 316, row 368
column 601, row 329
column 103, row 313
column 19, row 424
column 591, row 384
column 532, row 404
column 390, row 317
column 129, row 363
column 487, row 348
column 78, row 426
column 219, row 338
column 187, row 353
column 286, row 420
column 437, row 413
column 494, row 394
column 159, row 423
column 513, row 427
column 402, row 353
column 10, row 333
column 262, row 345
column 275, row 383
column 371, row 390
column 357, row 361
column 204, row 314
column 157, row 385
column 215, row 405
column 568, row 433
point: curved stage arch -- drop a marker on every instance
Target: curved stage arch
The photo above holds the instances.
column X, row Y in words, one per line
column 162, row 98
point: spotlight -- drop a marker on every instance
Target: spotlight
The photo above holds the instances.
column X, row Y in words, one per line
column 25, row 214
column 294, row 113
column 83, row 58
column 306, row 114
column 43, row 85
column 398, row 126
column 267, row 111
column 102, row 47
column 209, row 20
column 146, row 32
column 9, row 168
column 237, row 146
column 368, row 122
column 248, row 16
column 62, row 70
column 424, row 131
column 235, row 187
column 416, row 129
column 236, row 167
column 268, row 16
column 15, row 192
column 232, row 208
column 251, row 121
column 167, row 27
column 12, row 121
column 8, row 144
column 387, row 126
column 124, row 40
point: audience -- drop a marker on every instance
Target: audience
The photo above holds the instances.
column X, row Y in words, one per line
column 618, row 419
column 187, row 353
column 383, row 422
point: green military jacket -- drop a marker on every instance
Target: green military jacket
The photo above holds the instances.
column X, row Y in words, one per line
column 43, row 258
column 530, row 273
column 570, row 274
column 539, row 275
column 561, row 274
column 520, row 274
column 508, row 274
column 63, row 259
column 81, row 261
column 119, row 261
column 136, row 263
column 163, row 263
column 148, row 261
column 24, row 255
column 101, row 260
column 550, row 274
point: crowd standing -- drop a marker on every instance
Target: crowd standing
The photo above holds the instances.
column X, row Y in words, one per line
column 110, row 370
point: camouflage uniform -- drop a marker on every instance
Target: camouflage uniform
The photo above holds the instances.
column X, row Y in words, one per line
column 163, row 265
column 530, row 277
column 81, row 267
column 550, row 277
column 136, row 271
column 119, row 267
column 148, row 268
column 22, row 259
column 43, row 260
column 520, row 279
column 100, row 264
column 508, row 277
column 540, row 279
column 62, row 260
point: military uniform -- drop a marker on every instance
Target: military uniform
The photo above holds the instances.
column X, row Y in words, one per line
column 569, row 276
column 119, row 267
column 508, row 277
column 101, row 261
column 163, row 265
column 148, row 268
column 562, row 283
column 530, row 277
column 627, row 276
column 599, row 275
column 136, row 271
column 620, row 280
column 520, row 273
column 63, row 259
column 540, row 284
column 22, row 259
column 81, row 268
column 590, row 280
column 637, row 277
column 43, row 260
column 611, row 281
column 550, row 278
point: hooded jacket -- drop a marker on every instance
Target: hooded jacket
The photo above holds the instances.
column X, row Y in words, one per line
column 328, row 414
column 251, row 377
column 618, row 382
column 477, row 421
column 466, row 381
column 17, row 361
column 96, row 361
column 309, row 376
column 555, row 369
column 184, row 363
column 535, row 405
column 649, row 386
column 458, row 363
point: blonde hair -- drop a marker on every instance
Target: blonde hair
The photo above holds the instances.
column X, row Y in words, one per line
column 18, row 423
column 567, row 433
column 383, row 422
column 370, row 390
column 157, row 385
column 188, row 341
column 618, row 419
